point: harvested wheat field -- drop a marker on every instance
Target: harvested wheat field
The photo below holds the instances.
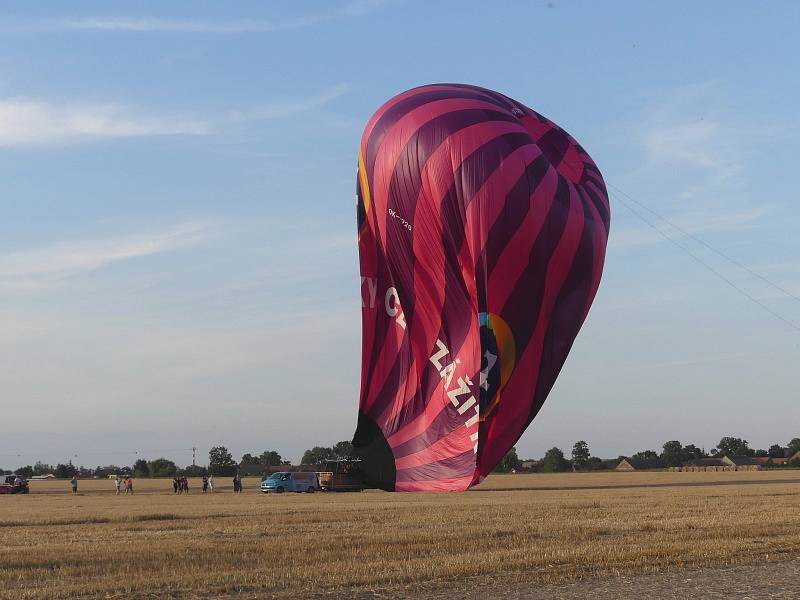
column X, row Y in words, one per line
column 526, row 536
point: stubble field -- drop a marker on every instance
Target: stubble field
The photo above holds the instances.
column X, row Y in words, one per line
column 526, row 529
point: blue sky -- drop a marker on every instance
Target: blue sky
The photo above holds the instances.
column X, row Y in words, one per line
column 178, row 263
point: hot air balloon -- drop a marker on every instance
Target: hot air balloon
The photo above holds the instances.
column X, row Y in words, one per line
column 482, row 231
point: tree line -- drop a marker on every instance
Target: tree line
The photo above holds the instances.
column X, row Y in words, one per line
column 673, row 454
column 221, row 461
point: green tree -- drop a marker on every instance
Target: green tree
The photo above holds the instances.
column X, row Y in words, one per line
column 509, row 462
column 220, row 461
column 777, row 451
column 65, row 471
column 554, row 461
column 761, row 452
column 161, row 467
column 692, row 452
column 317, row 455
column 343, row 450
column 26, row 472
column 249, row 459
column 140, row 468
column 646, row 455
column 270, row 458
column 195, row 471
column 595, row 464
column 41, row 468
column 731, row 446
column 794, row 446
column 650, row 458
column 673, row 454
column 580, row 455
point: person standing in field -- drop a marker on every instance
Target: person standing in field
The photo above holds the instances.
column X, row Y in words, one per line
column 205, row 483
column 211, row 482
column 74, row 483
column 117, row 484
column 175, row 484
column 129, row 486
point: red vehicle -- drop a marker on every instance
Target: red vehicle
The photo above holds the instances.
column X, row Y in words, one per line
column 13, row 484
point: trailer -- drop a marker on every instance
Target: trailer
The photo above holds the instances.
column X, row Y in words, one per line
column 341, row 476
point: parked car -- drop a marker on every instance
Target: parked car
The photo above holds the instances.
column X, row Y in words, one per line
column 13, row 484
column 286, row 481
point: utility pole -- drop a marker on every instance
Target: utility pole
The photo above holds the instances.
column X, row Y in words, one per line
column 194, row 452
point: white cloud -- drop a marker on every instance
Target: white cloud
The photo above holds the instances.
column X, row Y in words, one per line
column 147, row 25
column 692, row 222
column 355, row 8
column 696, row 167
column 36, row 268
column 288, row 108
column 689, row 142
column 26, row 121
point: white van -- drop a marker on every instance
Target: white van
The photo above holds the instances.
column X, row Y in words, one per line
column 286, row 481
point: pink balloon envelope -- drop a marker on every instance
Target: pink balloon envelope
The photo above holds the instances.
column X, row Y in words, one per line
column 482, row 233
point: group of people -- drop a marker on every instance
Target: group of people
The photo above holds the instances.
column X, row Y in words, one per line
column 180, row 485
column 125, row 483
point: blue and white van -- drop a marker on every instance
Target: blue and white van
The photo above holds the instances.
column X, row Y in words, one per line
column 286, row 481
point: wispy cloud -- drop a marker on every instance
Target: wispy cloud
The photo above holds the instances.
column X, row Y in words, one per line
column 694, row 223
column 26, row 121
column 36, row 268
column 688, row 142
column 696, row 165
column 355, row 8
column 288, row 108
column 150, row 25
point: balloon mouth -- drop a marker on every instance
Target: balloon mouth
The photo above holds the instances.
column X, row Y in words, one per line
column 377, row 460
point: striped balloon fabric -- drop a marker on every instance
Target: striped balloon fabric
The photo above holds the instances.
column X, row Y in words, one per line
column 482, row 234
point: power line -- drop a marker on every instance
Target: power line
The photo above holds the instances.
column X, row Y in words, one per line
column 702, row 242
column 699, row 260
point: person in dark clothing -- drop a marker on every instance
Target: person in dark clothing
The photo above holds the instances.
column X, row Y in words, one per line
column 205, row 483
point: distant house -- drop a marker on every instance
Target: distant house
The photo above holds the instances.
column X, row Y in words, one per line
column 610, row 463
column 638, row 464
column 249, row 470
column 106, row 472
column 742, row 461
column 768, row 461
column 528, row 465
